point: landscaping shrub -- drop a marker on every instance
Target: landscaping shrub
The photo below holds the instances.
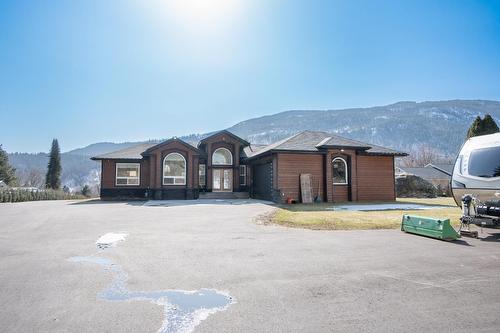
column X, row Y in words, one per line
column 21, row 195
column 411, row 186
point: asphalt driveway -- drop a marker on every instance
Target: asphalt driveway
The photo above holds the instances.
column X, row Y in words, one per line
column 278, row 279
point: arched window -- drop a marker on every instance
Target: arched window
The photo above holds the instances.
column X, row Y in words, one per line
column 174, row 169
column 222, row 156
column 339, row 174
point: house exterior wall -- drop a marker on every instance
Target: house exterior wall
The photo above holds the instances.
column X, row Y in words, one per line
column 187, row 191
column 274, row 175
column 291, row 166
column 376, row 178
column 109, row 189
column 151, row 176
column 370, row 178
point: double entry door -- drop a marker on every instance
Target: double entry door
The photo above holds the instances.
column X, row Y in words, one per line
column 222, row 180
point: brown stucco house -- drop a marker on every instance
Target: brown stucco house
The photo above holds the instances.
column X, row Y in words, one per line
column 224, row 165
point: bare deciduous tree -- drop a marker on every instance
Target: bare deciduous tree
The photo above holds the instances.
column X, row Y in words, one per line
column 422, row 156
column 33, row 178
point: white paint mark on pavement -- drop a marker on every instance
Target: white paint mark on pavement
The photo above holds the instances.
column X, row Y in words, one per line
column 110, row 239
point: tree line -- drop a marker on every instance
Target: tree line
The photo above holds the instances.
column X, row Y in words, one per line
column 52, row 189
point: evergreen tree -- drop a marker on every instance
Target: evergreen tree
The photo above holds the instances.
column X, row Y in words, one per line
column 474, row 128
column 483, row 126
column 53, row 177
column 7, row 172
column 489, row 125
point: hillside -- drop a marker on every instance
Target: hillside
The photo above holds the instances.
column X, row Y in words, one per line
column 404, row 126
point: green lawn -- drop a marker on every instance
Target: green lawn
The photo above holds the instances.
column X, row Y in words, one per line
column 315, row 216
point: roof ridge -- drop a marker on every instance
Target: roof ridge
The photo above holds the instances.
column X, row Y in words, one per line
column 174, row 138
column 289, row 138
column 276, row 144
column 322, row 142
column 354, row 140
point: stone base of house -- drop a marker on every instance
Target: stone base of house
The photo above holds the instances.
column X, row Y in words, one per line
column 147, row 194
column 174, row 194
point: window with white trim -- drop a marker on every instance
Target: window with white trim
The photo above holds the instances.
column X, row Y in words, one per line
column 339, row 175
column 243, row 175
column 128, row 174
column 174, row 169
column 222, row 156
column 202, row 171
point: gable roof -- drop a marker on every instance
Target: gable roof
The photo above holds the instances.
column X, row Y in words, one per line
column 166, row 142
column 234, row 136
column 315, row 141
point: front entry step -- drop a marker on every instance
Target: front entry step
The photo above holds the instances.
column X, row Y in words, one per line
column 224, row 195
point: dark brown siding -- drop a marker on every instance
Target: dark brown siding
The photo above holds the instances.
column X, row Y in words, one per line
column 161, row 152
column 289, row 168
column 375, row 178
column 371, row 178
column 109, row 174
column 151, row 175
column 340, row 193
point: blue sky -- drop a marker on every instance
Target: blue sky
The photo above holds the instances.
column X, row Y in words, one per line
column 89, row 71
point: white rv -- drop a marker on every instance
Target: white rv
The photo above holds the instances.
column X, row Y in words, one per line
column 477, row 169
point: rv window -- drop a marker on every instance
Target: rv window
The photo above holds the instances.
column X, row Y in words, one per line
column 485, row 162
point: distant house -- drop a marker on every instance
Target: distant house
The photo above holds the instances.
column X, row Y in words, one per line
column 437, row 174
column 225, row 165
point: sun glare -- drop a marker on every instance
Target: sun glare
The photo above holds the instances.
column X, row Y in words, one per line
column 202, row 14
column 204, row 32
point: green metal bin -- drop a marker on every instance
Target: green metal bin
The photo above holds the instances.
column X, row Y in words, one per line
column 430, row 227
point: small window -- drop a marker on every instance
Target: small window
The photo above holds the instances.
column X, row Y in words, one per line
column 485, row 162
column 128, row 174
column 243, row 175
column 339, row 171
column 174, row 169
column 222, row 156
column 202, row 169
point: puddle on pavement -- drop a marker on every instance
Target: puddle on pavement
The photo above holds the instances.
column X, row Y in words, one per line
column 183, row 310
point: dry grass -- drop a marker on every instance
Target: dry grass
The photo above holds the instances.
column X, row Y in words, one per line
column 315, row 216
